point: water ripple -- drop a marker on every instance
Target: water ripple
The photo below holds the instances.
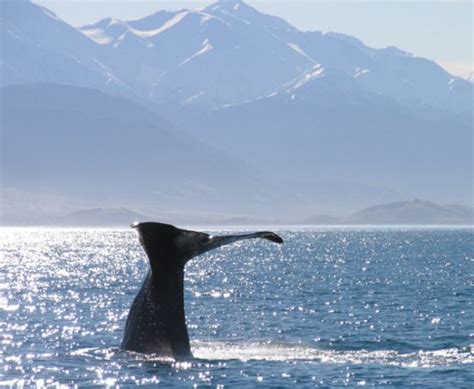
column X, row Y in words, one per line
column 332, row 307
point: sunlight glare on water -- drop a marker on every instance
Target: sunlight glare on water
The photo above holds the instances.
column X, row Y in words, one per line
column 330, row 307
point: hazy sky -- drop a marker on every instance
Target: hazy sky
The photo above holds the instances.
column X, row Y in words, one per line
column 438, row 30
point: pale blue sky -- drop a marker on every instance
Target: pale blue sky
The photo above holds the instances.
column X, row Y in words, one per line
column 438, row 30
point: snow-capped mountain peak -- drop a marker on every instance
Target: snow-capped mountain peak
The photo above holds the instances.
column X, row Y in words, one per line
column 228, row 6
column 109, row 31
column 226, row 53
column 167, row 25
column 106, row 31
column 240, row 13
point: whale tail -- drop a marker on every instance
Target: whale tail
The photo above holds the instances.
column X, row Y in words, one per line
column 218, row 241
column 164, row 242
column 156, row 322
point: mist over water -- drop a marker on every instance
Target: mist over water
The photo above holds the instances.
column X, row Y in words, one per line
column 331, row 307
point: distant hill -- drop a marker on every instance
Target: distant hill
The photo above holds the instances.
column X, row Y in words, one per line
column 81, row 143
column 117, row 217
column 413, row 212
column 416, row 212
column 106, row 151
column 322, row 220
column 345, row 136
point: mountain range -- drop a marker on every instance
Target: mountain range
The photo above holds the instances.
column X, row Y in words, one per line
column 224, row 111
column 227, row 53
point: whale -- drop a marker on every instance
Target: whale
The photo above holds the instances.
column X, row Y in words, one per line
column 156, row 323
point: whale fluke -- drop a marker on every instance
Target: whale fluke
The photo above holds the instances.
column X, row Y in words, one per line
column 156, row 322
column 271, row 236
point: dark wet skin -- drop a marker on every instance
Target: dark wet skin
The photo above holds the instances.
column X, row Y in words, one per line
column 156, row 322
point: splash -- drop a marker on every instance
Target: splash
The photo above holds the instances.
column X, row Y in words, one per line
column 285, row 352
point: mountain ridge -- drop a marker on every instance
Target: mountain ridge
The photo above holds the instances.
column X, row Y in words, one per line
column 182, row 55
column 300, row 122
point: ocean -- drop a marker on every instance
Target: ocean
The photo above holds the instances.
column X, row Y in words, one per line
column 332, row 307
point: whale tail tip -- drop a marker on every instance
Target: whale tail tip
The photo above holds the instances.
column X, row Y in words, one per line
column 271, row 236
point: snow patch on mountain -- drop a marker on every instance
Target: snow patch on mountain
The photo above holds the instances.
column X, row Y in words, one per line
column 299, row 50
column 316, row 72
column 360, row 72
column 110, row 77
column 50, row 14
column 106, row 31
column 170, row 23
column 206, row 48
column 98, row 36
column 192, row 98
column 205, row 17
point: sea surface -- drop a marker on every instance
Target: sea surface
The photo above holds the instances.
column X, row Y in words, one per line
column 332, row 307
